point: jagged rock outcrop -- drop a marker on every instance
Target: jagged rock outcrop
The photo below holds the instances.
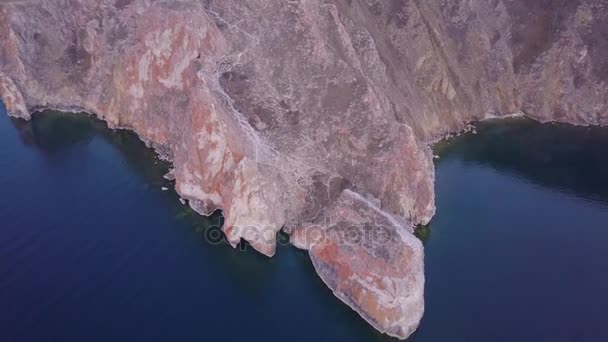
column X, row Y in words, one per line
column 286, row 114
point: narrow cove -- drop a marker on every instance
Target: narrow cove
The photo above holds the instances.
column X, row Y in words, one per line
column 92, row 248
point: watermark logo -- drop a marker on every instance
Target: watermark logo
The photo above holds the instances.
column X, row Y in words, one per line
column 341, row 233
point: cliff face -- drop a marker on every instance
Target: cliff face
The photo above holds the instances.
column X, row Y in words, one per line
column 313, row 115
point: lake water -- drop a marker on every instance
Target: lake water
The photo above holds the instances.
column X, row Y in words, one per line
column 91, row 248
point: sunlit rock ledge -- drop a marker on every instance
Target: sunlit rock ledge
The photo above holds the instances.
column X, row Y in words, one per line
column 284, row 114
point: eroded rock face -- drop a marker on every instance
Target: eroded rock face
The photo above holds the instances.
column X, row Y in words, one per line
column 284, row 113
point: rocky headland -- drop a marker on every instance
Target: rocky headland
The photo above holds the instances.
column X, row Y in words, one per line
column 311, row 116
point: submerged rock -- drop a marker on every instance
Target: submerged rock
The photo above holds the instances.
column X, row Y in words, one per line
column 285, row 113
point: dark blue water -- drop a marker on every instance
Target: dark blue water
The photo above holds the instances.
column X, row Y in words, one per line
column 518, row 250
column 91, row 248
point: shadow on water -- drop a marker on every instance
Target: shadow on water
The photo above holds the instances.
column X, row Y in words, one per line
column 563, row 157
column 566, row 158
column 54, row 132
column 423, row 233
column 49, row 133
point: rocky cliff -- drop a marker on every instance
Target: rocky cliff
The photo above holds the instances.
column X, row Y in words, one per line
column 311, row 116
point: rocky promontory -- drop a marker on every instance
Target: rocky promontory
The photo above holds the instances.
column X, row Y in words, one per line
column 311, row 116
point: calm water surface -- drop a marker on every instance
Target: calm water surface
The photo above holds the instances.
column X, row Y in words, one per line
column 91, row 248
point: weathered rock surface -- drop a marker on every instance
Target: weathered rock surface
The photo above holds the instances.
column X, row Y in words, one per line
column 371, row 260
column 284, row 114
